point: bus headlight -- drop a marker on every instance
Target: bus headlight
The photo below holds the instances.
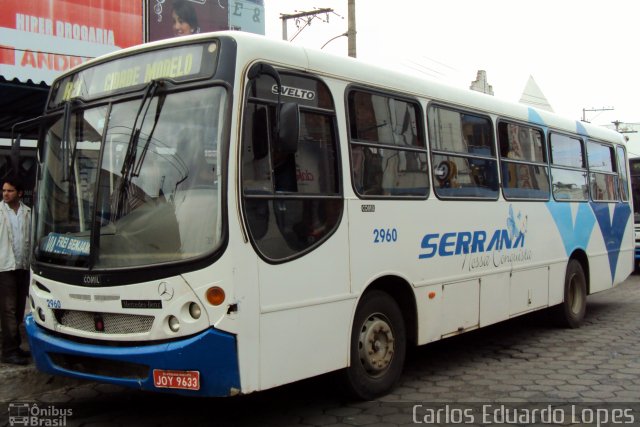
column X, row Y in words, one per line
column 41, row 314
column 174, row 323
column 194, row 310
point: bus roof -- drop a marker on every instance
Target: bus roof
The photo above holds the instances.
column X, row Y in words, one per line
column 252, row 48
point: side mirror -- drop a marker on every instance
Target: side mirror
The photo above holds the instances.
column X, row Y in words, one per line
column 289, row 128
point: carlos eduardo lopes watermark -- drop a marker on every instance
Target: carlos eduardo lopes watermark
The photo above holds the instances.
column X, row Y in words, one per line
column 526, row 414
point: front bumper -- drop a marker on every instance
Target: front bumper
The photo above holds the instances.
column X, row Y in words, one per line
column 212, row 353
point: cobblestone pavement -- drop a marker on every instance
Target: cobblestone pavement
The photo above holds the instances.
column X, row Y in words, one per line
column 522, row 361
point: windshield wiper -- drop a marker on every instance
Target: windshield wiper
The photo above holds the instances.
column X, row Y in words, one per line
column 132, row 146
column 68, row 153
column 128, row 169
column 161, row 98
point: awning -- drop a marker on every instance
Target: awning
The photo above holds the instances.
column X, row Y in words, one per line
column 20, row 101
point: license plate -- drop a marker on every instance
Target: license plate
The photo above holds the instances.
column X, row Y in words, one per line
column 186, row 380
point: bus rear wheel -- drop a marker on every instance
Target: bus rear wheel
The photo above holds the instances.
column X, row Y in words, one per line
column 378, row 347
column 570, row 313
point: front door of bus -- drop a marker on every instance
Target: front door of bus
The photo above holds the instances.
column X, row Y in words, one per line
column 293, row 209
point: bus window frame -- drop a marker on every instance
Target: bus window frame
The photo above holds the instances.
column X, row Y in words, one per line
column 495, row 158
column 274, row 195
column 545, row 162
column 421, row 137
column 614, row 172
column 583, row 169
column 624, row 196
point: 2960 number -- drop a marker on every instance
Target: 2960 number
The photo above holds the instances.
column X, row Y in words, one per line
column 385, row 235
column 54, row 303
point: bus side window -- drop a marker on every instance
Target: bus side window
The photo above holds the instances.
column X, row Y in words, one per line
column 292, row 199
column 568, row 168
column 256, row 167
column 256, row 170
column 525, row 174
column 367, row 170
column 260, row 134
column 602, row 172
column 623, row 174
column 284, row 172
column 464, row 157
column 388, row 153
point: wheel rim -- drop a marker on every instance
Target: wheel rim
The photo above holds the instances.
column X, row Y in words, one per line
column 376, row 344
column 575, row 295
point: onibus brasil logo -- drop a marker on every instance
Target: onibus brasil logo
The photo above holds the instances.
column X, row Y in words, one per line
column 32, row 414
column 481, row 248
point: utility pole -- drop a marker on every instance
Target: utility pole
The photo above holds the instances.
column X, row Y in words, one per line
column 584, row 110
column 625, row 129
column 617, row 124
column 309, row 15
column 351, row 32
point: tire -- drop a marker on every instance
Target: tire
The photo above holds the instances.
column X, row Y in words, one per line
column 570, row 313
column 378, row 347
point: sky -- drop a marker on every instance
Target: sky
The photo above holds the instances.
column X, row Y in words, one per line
column 581, row 53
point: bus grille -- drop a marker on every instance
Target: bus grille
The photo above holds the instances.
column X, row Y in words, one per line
column 107, row 323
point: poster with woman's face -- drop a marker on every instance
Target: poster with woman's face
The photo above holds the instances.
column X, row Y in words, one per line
column 173, row 18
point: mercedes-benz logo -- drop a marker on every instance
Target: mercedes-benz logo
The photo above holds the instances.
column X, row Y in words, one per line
column 165, row 291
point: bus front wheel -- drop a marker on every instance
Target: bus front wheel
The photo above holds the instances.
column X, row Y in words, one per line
column 572, row 310
column 378, row 347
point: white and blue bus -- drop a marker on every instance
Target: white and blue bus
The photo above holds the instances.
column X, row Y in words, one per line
column 223, row 213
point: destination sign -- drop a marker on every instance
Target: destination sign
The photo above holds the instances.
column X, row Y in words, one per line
column 178, row 63
column 56, row 243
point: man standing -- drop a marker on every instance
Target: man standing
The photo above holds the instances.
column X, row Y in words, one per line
column 15, row 229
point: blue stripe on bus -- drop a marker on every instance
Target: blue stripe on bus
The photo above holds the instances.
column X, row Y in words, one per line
column 577, row 235
column 612, row 229
column 574, row 235
column 212, row 353
column 534, row 117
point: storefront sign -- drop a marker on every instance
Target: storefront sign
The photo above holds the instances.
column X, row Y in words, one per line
column 41, row 39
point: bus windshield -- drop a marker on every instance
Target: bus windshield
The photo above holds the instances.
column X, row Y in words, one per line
column 132, row 183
